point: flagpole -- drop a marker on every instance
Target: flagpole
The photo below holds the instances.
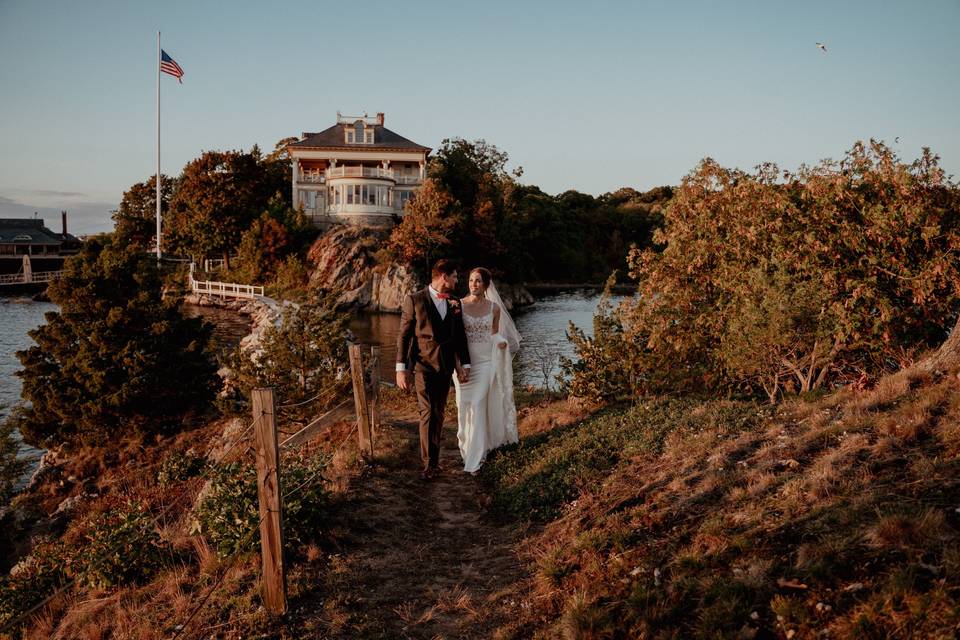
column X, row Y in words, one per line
column 158, row 148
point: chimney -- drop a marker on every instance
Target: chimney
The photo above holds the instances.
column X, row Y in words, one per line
column 63, row 217
column 380, row 118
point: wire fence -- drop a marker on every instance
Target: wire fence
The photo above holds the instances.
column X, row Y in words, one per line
column 192, row 486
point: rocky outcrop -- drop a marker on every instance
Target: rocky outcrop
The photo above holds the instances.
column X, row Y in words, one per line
column 514, row 296
column 344, row 262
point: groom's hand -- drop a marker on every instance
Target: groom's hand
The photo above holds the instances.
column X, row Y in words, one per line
column 463, row 375
column 403, row 380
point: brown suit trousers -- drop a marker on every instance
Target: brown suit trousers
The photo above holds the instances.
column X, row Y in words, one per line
column 432, row 390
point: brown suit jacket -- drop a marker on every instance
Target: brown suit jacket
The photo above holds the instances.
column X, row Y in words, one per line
column 428, row 343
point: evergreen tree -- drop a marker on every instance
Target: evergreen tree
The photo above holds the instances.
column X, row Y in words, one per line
column 116, row 358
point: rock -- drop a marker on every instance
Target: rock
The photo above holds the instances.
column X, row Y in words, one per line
column 514, row 296
column 67, row 506
column 344, row 262
column 47, row 467
column 22, row 566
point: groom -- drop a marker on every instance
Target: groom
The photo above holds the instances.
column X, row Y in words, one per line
column 433, row 344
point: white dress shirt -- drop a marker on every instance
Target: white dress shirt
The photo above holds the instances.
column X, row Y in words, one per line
column 441, row 305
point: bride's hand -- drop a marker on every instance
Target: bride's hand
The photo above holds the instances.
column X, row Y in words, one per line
column 502, row 345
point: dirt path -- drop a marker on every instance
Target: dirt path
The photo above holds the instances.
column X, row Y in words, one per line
column 418, row 559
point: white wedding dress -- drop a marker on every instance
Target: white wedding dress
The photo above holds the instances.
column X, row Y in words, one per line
column 486, row 414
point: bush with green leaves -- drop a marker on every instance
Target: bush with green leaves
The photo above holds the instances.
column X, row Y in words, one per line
column 773, row 281
column 603, row 368
column 179, row 466
column 229, row 514
column 122, row 546
column 43, row 573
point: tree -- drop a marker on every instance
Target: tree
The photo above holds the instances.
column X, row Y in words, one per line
column 116, row 358
column 425, row 230
column 218, row 196
column 303, row 356
column 135, row 221
column 816, row 277
column 10, row 466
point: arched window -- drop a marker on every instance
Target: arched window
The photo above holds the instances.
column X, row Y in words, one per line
column 358, row 132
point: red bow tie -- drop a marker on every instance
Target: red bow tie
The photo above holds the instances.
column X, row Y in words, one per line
column 443, row 296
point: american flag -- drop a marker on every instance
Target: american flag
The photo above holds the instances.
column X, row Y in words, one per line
column 169, row 65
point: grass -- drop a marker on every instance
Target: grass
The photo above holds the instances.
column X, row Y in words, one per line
column 832, row 516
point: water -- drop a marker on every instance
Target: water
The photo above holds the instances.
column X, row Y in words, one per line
column 543, row 327
column 229, row 327
column 17, row 317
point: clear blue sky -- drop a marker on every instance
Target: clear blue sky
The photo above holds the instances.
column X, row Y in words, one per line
column 589, row 96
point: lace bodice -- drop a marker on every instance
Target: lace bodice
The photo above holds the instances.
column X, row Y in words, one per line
column 478, row 327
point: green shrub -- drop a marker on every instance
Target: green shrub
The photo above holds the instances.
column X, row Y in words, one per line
column 180, row 466
column 604, row 368
column 229, row 511
column 45, row 573
column 122, row 547
column 229, row 515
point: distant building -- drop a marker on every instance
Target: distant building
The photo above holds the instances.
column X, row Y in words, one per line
column 29, row 236
column 356, row 172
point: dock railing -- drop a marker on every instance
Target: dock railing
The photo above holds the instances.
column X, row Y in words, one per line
column 223, row 289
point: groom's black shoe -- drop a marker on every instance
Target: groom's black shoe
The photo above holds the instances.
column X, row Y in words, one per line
column 438, row 470
column 427, row 474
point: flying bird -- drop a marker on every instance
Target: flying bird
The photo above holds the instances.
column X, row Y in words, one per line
column 822, row 46
column 896, row 140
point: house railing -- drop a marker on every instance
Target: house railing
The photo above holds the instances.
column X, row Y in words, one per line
column 359, row 172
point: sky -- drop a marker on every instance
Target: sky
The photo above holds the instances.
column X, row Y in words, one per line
column 591, row 96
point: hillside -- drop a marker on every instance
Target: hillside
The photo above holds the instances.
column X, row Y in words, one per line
column 834, row 517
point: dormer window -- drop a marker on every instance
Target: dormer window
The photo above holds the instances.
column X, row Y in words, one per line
column 359, row 133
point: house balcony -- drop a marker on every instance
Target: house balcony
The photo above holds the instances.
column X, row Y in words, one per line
column 311, row 177
column 318, row 176
column 359, row 172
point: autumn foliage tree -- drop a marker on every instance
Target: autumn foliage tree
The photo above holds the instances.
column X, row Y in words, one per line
column 218, row 196
column 426, row 230
column 135, row 221
column 473, row 208
column 794, row 281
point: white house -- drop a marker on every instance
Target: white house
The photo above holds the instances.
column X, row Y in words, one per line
column 356, row 172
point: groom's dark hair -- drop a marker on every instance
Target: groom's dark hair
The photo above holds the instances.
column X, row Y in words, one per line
column 443, row 266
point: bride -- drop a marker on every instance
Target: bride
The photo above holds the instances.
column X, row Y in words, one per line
column 486, row 414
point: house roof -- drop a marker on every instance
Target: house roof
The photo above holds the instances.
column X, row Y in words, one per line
column 28, row 231
column 335, row 138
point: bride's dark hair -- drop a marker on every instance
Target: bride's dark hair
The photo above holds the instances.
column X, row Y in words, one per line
column 484, row 275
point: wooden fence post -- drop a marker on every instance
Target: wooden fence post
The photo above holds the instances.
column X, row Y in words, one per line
column 360, row 401
column 271, row 516
column 374, row 394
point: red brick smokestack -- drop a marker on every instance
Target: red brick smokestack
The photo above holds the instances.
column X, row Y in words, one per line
column 380, row 118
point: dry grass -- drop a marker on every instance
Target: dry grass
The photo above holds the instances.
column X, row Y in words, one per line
column 835, row 516
column 550, row 414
